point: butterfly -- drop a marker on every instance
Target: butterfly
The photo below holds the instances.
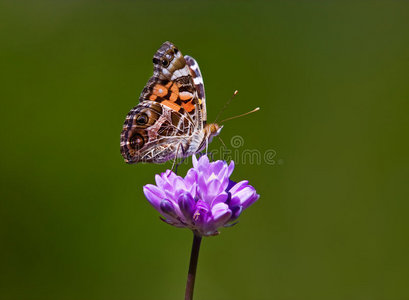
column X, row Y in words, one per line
column 170, row 120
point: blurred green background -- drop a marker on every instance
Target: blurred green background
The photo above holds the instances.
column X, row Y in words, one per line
column 331, row 78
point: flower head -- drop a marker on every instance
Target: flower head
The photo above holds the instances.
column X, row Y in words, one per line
column 205, row 200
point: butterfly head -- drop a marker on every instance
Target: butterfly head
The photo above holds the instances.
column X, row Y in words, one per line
column 212, row 130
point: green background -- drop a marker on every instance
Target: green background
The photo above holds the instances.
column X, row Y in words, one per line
column 331, row 78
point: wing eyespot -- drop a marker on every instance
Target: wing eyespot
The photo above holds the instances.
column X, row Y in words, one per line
column 136, row 142
column 142, row 119
column 165, row 62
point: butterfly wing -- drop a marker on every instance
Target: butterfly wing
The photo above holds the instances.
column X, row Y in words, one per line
column 169, row 113
column 199, row 85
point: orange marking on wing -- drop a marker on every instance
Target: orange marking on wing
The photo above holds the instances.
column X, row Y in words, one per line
column 175, row 93
column 171, row 105
column 185, row 96
column 153, row 97
column 160, row 90
column 188, row 106
column 174, row 88
column 173, row 97
column 168, row 84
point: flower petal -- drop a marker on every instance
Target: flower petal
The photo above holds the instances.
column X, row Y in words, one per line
column 203, row 165
column 194, row 161
column 245, row 195
column 214, row 188
column 170, row 174
column 168, row 209
column 200, row 215
column 191, row 177
column 221, row 198
column 162, row 182
column 238, row 186
column 204, row 160
column 187, row 206
column 230, row 168
column 251, row 200
column 153, row 194
column 202, row 188
column 218, row 167
column 179, row 184
column 221, row 214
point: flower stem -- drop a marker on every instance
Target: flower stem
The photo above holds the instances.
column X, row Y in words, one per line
column 191, row 276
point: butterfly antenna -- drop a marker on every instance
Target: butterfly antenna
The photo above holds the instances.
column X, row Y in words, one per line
column 224, row 145
column 225, row 105
column 242, row 115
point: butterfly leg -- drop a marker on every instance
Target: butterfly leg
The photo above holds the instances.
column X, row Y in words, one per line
column 176, row 157
column 210, row 155
column 207, row 145
column 176, row 165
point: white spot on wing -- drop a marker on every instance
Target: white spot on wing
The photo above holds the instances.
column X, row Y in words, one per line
column 185, row 95
column 180, row 73
column 198, row 80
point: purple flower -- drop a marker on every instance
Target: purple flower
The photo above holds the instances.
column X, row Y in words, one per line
column 204, row 200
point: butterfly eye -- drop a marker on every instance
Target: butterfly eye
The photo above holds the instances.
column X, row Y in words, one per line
column 165, row 62
column 142, row 119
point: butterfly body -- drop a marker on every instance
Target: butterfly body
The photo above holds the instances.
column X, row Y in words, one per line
column 170, row 120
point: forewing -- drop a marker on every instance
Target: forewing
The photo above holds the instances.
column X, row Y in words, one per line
column 172, row 83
